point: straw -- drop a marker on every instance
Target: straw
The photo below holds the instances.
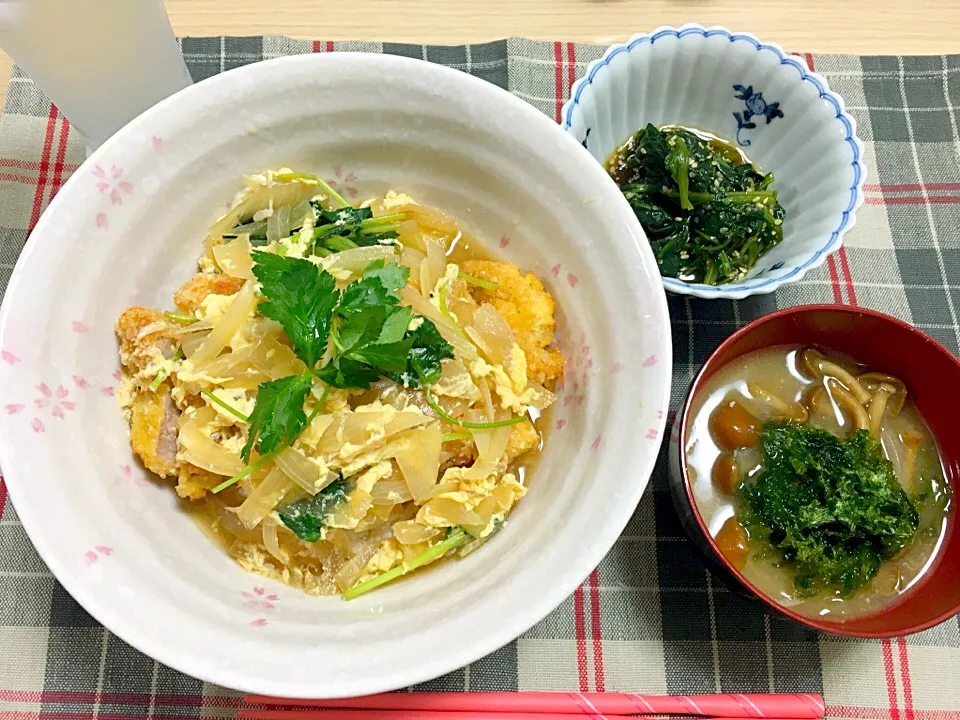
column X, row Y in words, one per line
column 786, row 707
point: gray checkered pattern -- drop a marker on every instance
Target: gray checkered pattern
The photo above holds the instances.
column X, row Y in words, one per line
column 650, row 618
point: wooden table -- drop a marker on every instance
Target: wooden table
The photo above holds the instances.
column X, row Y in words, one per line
column 901, row 27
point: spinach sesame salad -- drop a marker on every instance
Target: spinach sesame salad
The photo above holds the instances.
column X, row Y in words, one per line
column 708, row 212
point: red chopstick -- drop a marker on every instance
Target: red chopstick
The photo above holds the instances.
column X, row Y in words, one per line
column 333, row 714
column 550, row 706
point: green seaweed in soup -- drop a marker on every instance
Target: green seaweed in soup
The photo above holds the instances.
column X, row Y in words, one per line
column 708, row 213
column 832, row 507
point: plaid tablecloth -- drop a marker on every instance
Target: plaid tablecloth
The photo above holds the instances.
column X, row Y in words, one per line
column 649, row 618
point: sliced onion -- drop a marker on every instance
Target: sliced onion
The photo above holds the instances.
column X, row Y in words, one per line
column 242, row 307
column 350, row 427
column 304, row 473
column 255, row 227
column 541, row 398
column 198, row 448
column 488, row 409
column 437, row 258
column 496, row 334
column 406, row 420
column 477, row 339
column 274, row 359
column 426, row 279
column 461, row 303
column 430, row 219
column 265, row 497
column 450, row 512
column 200, row 326
column 348, row 573
column 391, row 491
column 371, row 521
column 190, row 343
column 491, row 447
column 412, row 259
column 419, row 460
column 408, row 233
column 234, row 257
column 453, row 374
column 281, row 194
column 356, row 259
column 271, row 542
column 299, row 213
column 348, row 514
column 408, row 532
column 278, row 224
column 227, row 517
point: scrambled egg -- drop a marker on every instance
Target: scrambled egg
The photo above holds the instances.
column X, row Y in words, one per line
column 386, row 558
column 511, row 396
column 457, row 383
column 395, row 201
column 213, row 306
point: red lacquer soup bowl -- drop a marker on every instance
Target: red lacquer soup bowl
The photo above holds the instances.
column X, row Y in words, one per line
column 884, row 344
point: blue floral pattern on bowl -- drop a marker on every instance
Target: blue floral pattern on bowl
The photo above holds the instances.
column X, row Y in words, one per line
column 755, row 106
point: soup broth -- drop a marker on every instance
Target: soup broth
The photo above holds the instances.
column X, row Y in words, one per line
column 775, row 384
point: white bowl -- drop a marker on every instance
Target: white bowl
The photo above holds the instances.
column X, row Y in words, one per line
column 127, row 228
column 700, row 77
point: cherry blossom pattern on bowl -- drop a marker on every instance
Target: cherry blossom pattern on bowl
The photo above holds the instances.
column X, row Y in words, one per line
column 771, row 103
column 371, row 123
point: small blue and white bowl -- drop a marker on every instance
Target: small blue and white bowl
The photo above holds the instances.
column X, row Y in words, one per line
column 751, row 93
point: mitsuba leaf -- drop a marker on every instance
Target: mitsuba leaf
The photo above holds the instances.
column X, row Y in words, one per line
column 428, row 348
column 301, row 297
column 278, row 416
column 344, row 372
column 345, row 228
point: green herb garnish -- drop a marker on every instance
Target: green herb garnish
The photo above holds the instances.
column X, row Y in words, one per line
column 471, row 280
column 348, row 227
column 180, row 318
column 707, row 216
column 435, row 406
column 307, row 517
column 300, row 297
column 832, row 508
column 423, row 361
column 226, row 406
column 372, row 336
column 162, row 375
column 249, row 470
column 278, row 417
column 455, row 538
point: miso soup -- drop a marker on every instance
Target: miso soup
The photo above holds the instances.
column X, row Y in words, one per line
column 819, row 480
